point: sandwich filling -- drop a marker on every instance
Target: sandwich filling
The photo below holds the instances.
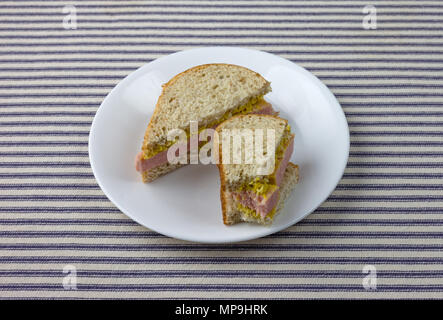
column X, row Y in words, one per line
column 158, row 155
column 257, row 199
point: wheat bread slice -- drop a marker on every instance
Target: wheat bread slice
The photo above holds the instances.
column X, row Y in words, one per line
column 234, row 173
column 203, row 93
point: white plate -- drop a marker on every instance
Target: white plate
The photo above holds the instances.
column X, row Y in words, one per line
column 185, row 204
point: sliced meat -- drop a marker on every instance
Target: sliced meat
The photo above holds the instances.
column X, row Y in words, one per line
column 265, row 108
column 159, row 159
column 142, row 165
column 263, row 205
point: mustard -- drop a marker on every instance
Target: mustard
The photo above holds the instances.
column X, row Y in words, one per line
column 259, row 186
column 262, row 185
column 243, row 109
column 251, row 213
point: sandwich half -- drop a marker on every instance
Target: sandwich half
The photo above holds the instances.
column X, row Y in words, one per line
column 247, row 192
column 208, row 94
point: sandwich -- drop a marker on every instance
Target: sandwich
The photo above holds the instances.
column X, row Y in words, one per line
column 248, row 193
column 208, row 94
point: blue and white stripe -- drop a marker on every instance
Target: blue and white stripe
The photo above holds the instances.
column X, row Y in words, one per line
column 387, row 210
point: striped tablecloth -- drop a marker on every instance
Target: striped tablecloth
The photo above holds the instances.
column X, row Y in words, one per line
column 386, row 215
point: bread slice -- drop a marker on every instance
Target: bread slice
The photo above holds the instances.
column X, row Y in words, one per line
column 208, row 94
column 237, row 173
column 246, row 195
column 231, row 215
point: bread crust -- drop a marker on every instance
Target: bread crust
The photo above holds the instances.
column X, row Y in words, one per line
column 222, row 176
column 151, row 175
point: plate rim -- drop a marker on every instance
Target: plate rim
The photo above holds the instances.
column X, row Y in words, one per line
column 238, row 238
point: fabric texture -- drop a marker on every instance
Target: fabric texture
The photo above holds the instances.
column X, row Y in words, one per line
column 385, row 216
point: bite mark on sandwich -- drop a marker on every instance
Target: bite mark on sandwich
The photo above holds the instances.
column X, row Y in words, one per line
column 246, row 195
